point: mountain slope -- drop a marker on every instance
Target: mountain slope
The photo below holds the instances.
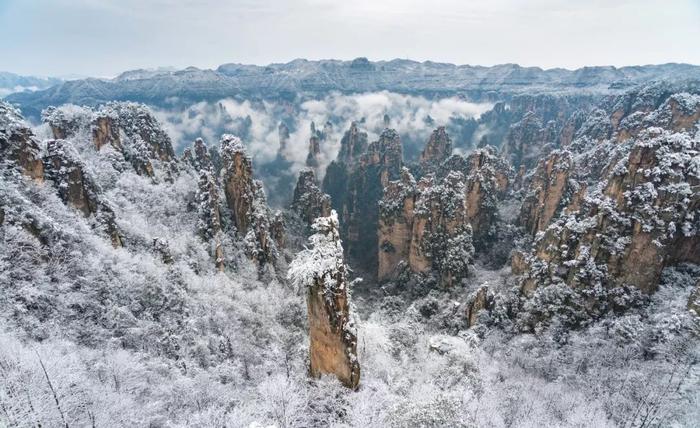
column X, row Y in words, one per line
column 302, row 77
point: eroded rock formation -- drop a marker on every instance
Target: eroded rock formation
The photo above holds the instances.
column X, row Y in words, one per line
column 528, row 140
column 640, row 218
column 198, row 156
column 352, row 145
column 487, row 179
column 105, row 131
column 210, row 226
column 312, row 158
column 309, row 202
column 480, row 300
column 63, row 168
column 144, row 142
column 322, row 271
column 423, row 227
column 247, row 202
column 548, row 189
column 395, row 231
column 437, row 149
column 335, row 181
column 18, row 145
column 380, row 164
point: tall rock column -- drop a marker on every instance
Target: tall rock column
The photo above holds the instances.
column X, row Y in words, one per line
column 335, row 181
column 248, row 204
column 309, row 202
column 237, row 181
column 437, row 150
column 321, row 269
column 381, row 164
column 312, row 159
column 395, row 225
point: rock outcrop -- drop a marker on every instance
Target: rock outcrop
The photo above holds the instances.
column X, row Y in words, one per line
column 237, row 179
column 246, row 200
column 198, row 156
column 395, row 230
column 528, row 140
column 209, row 202
column 322, row 271
column 309, row 202
column 437, row 149
column 105, row 131
column 312, row 158
column 63, row 168
column 129, row 128
column 18, row 145
column 548, row 190
column 335, row 182
column 441, row 235
column 380, row 164
column 210, row 227
column 487, row 179
column 352, row 145
column 640, row 218
column 423, row 228
column 480, row 300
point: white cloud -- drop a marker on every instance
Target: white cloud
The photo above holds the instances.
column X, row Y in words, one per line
column 407, row 113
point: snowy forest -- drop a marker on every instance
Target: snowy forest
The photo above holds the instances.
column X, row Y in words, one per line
column 546, row 274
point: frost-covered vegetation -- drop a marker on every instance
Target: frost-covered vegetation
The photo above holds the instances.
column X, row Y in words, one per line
column 166, row 330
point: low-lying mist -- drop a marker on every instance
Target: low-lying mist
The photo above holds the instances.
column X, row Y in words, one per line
column 257, row 123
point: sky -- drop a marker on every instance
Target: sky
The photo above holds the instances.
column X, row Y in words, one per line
column 105, row 37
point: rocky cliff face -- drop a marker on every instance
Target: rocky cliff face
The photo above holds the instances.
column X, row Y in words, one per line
column 423, row 227
column 59, row 166
column 437, row 149
column 352, row 145
column 335, row 182
column 239, row 185
column 105, row 131
column 312, row 158
column 210, row 226
column 481, row 299
column 395, row 230
column 129, row 128
column 528, row 140
column 487, row 179
column 441, row 235
column 63, row 168
column 428, row 226
column 246, row 200
column 321, row 270
column 18, row 145
column 283, row 135
column 365, row 187
column 548, row 189
column 309, row 202
column 639, row 217
column 198, row 156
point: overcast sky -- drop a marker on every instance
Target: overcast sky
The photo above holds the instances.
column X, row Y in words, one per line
column 105, row 37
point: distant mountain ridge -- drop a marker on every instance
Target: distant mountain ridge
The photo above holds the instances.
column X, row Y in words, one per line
column 11, row 83
column 304, row 78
